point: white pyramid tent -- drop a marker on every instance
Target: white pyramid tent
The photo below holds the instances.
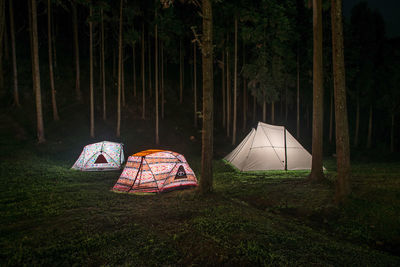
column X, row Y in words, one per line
column 100, row 156
column 269, row 147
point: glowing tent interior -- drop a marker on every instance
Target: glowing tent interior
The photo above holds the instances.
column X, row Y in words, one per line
column 100, row 156
column 269, row 147
column 155, row 171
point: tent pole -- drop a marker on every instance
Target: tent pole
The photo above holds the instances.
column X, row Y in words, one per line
column 284, row 134
column 140, row 167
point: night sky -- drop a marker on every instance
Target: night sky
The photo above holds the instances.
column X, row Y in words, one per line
column 390, row 10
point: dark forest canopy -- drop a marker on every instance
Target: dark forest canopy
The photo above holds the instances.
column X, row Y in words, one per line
column 273, row 56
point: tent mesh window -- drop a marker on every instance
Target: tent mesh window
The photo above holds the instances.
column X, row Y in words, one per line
column 100, row 159
column 180, row 174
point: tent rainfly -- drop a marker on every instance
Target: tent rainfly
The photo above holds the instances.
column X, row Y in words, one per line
column 100, row 156
column 269, row 147
column 155, row 171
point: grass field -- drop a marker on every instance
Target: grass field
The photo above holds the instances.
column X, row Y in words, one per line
column 52, row 215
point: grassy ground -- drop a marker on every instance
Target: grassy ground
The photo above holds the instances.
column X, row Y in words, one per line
column 52, row 215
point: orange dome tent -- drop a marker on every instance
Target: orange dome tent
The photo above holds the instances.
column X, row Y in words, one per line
column 155, row 171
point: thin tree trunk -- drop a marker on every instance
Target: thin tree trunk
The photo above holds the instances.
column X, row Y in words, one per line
column 54, row 41
column 134, row 69
column 298, row 98
column 149, row 56
column 31, row 40
column 2, row 41
column 331, row 118
column 206, row 181
column 342, row 129
column 143, row 77
column 286, row 105
column 244, row 93
column 273, row 112
column 91, row 74
column 223, row 91
column 36, row 74
column 357, row 130
column 254, row 109
column 392, row 134
column 162, row 80
column 228, row 95
column 53, row 90
column 156, row 79
column 369, row 136
column 120, row 62
column 123, row 80
column 195, row 84
column 318, row 93
column 180, row 72
column 103, row 70
column 235, row 87
column 114, row 59
column 14, row 56
column 76, row 50
column 265, row 111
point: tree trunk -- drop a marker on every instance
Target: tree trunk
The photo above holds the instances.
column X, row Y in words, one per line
column 36, row 74
column 91, row 74
column 369, row 137
column 134, row 69
column 298, row 98
column 123, row 80
column 120, row 59
column 149, row 58
column 392, row 134
column 2, row 37
column 273, row 112
column 244, row 93
column 53, row 29
column 156, row 79
column 265, row 111
column 206, row 181
column 53, row 90
column 286, row 105
column 103, row 70
column 143, row 77
column 162, row 80
column 357, row 130
column 318, row 93
column 235, row 87
column 180, row 72
column 331, row 117
column 14, row 56
column 342, row 129
column 76, row 50
column 223, row 91
column 228, row 95
column 195, row 84
column 254, row 108
column 31, row 40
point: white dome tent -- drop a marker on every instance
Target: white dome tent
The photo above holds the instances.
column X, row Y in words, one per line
column 100, row 156
column 269, row 147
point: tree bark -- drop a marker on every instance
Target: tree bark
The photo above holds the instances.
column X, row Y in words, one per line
column 254, row 108
column 53, row 38
column 195, row 83
column 273, row 112
column 134, row 69
column 235, row 87
column 76, row 50
column 342, row 129
column 331, row 117
column 369, row 136
column 103, row 70
column 244, row 94
column 156, row 79
column 318, row 93
column 2, row 37
column 53, row 90
column 223, row 91
column 36, row 74
column 180, row 72
column 265, row 111
column 298, row 98
column 206, row 181
column 162, row 80
column 149, row 58
column 228, row 95
column 14, row 55
column 91, row 74
column 31, row 40
column 123, row 80
column 356, row 133
column 119, row 84
column 143, row 77
column 286, row 105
